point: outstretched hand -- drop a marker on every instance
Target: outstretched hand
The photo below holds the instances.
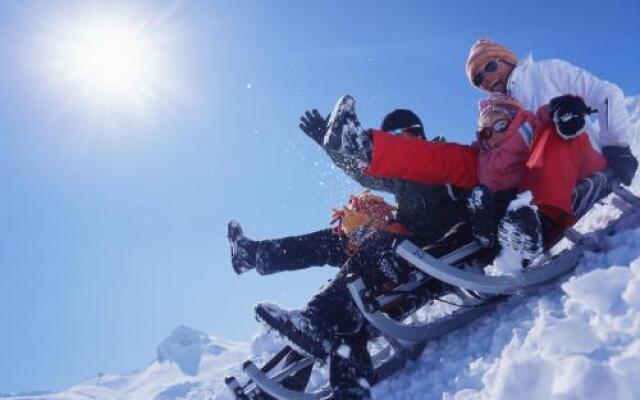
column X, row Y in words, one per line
column 314, row 125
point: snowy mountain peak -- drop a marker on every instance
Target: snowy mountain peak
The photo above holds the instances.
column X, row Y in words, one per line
column 185, row 347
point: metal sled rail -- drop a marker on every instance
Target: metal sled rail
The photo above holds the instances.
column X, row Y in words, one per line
column 419, row 332
column 488, row 284
column 550, row 270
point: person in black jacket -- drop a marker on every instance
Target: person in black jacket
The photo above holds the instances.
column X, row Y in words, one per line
column 428, row 211
column 330, row 325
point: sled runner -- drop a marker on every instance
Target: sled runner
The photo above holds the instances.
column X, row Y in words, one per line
column 390, row 313
column 534, row 276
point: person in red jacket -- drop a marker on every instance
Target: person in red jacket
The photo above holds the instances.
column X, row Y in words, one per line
column 562, row 153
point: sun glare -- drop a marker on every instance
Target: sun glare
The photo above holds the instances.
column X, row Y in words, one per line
column 112, row 62
column 110, row 59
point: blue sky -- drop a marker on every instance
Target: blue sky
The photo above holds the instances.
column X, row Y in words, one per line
column 113, row 214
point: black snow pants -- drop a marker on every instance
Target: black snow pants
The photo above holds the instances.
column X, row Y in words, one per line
column 333, row 308
column 324, row 247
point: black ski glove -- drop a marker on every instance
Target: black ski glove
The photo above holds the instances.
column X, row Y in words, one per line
column 314, row 125
column 621, row 161
column 569, row 113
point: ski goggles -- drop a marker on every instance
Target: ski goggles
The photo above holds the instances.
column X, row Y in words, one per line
column 498, row 126
column 478, row 77
column 413, row 130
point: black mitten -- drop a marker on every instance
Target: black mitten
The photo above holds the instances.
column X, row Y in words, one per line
column 569, row 113
column 314, row 125
column 621, row 161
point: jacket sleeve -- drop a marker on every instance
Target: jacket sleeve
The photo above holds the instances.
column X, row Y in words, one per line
column 599, row 94
column 423, row 161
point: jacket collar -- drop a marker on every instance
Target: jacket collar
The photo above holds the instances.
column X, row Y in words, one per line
column 517, row 72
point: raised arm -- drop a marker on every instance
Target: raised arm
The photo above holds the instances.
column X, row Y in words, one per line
column 314, row 125
column 422, row 161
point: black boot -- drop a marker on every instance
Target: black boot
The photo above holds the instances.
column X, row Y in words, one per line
column 521, row 232
column 345, row 135
column 300, row 328
column 243, row 250
column 314, row 330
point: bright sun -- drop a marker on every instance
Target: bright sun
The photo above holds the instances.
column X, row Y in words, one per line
column 110, row 59
column 112, row 62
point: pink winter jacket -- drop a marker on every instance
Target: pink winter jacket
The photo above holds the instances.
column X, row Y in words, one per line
column 502, row 168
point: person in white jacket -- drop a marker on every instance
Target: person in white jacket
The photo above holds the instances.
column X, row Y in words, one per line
column 556, row 161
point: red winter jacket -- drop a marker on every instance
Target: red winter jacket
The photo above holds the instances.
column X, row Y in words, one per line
column 422, row 161
column 554, row 168
column 464, row 166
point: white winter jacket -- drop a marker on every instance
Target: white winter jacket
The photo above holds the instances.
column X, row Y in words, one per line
column 534, row 84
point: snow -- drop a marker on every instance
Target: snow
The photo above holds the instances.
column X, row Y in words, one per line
column 344, row 351
column 599, row 290
column 570, row 340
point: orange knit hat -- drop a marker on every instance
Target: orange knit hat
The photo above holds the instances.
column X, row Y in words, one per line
column 485, row 50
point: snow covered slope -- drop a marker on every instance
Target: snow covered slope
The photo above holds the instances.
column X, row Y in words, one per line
column 190, row 365
column 575, row 339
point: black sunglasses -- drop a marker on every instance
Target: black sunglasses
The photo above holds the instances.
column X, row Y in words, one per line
column 414, row 130
column 491, row 66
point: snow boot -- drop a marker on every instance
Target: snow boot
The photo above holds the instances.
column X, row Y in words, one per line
column 300, row 328
column 243, row 250
column 345, row 135
column 521, row 233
